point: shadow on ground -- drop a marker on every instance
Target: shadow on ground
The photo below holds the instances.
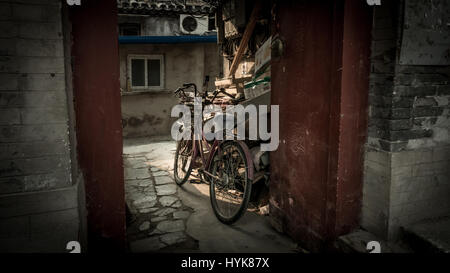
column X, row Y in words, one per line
column 168, row 218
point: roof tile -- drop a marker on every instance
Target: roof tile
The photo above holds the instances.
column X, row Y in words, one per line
column 165, row 6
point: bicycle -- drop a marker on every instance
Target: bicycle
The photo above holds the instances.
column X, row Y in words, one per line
column 226, row 164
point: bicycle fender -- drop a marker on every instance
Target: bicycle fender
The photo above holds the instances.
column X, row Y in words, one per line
column 248, row 155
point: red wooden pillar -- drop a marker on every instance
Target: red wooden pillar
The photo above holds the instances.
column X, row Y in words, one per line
column 321, row 84
column 95, row 60
column 353, row 113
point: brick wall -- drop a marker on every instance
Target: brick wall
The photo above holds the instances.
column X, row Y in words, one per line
column 34, row 146
column 35, row 165
column 407, row 178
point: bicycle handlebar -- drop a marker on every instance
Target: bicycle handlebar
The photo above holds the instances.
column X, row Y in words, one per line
column 222, row 90
column 184, row 87
column 215, row 93
column 187, row 85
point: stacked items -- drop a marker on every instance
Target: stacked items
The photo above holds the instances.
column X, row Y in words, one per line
column 257, row 87
column 260, row 84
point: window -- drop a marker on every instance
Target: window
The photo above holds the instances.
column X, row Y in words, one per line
column 146, row 72
column 130, row 29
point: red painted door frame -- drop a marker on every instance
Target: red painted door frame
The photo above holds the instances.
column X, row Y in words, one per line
column 95, row 61
column 321, row 83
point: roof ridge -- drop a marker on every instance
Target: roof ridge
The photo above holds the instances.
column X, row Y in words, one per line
column 171, row 6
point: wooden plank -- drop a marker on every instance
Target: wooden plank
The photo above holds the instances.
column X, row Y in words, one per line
column 227, row 82
column 245, row 38
column 244, row 78
column 224, row 82
column 231, row 91
column 220, row 27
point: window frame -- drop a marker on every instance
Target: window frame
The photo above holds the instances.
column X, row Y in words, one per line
column 147, row 57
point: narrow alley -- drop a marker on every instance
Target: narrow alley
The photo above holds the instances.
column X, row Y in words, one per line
column 322, row 126
column 167, row 218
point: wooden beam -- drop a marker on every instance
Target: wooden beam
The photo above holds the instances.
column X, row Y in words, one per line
column 245, row 38
column 224, row 82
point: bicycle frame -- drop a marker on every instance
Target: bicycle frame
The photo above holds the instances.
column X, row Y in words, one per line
column 215, row 160
column 215, row 148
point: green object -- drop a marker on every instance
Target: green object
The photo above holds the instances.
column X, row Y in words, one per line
column 262, row 71
column 257, row 82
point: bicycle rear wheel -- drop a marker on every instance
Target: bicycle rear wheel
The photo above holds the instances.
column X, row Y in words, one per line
column 183, row 161
column 230, row 187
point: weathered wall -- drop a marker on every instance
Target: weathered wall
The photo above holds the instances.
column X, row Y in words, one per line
column 157, row 26
column 407, row 178
column 147, row 113
column 38, row 201
column 154, row 26
column 317, row 195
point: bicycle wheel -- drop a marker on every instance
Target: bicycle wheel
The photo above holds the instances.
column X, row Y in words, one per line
column 183, row 161
column 230, row 187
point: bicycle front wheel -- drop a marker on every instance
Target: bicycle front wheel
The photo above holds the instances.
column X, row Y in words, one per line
column 230, row 185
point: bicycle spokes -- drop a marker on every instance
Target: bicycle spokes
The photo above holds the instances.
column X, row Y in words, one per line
column 183, row 161
column 230, row 187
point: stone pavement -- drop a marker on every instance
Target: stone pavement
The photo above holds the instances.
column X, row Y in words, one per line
column 169, row 218
column 159, row 216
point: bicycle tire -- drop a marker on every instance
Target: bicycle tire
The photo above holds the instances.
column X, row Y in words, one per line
column 181, row 180
column 247, row 188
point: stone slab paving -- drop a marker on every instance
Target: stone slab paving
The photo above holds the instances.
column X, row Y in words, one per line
column 170, row 225
column 152, row 197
